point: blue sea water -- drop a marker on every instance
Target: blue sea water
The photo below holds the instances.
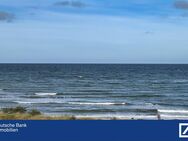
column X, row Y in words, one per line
column 97, row 90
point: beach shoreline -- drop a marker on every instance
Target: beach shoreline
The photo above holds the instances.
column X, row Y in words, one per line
column 21, row 113
column 20, row 116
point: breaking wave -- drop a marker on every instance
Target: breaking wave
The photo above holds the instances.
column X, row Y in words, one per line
column 100, row 103
column 173, row 111
column 45, row 94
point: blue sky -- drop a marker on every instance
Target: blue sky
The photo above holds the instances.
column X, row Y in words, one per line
column 93, row 31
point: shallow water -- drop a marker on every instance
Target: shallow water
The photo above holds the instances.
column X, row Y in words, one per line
column 121, row 91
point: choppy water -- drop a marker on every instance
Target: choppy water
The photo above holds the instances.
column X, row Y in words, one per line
column 122, row 91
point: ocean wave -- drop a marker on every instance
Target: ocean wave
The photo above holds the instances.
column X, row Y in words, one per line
column 23, row 102
column 39, row 102
column 147, row 103
column 172, row 111
column 136, row 117
column 120, row 117
column 80, row 76
column 93, row 103
column 45, row 94
column 180, row 81
column 166, row 116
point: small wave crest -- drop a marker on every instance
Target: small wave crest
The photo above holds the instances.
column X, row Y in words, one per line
column 39, row 102
column 45, row 94
column 166, row 116
column 80, row 76
column 100, row 103
column 180, row 81
column 172, row 111
column 23, row 102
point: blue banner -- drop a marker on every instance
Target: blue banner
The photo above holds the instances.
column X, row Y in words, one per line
column 135, row 130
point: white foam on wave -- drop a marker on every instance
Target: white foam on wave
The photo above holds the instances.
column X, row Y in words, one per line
column 100, row 103
column 173, row 114
column 180, row 81
column 46, row 94
column 24, row 102
column 39, row 102
column 120, row 117
column 172, row 111
column 80, row 76
column 166, row 116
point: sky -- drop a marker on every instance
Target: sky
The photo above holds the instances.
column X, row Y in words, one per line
column 94, row 31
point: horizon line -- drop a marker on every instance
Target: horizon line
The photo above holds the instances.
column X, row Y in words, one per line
column 42, row 63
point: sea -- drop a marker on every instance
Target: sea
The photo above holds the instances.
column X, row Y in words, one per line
column 101, row 91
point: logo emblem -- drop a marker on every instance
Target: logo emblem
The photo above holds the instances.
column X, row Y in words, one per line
column 183, row 130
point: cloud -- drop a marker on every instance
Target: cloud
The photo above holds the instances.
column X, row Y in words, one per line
column 4, row 16
column 149, row 32
column 77, row 4
column 185, row 15
column 181, row 4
